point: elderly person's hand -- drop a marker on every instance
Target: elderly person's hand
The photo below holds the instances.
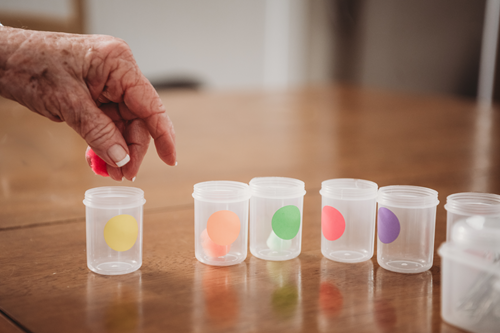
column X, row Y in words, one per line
column 92, row 83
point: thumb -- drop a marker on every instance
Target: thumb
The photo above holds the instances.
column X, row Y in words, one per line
column 102, row 135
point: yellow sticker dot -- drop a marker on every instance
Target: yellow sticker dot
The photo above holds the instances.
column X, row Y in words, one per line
column 120, row 232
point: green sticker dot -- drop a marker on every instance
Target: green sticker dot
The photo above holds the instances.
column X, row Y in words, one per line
column 286, row 222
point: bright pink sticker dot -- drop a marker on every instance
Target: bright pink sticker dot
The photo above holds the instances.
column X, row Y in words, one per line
column 96, row 163
column 332, row 223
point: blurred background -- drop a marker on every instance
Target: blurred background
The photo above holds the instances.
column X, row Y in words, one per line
column 423, row 46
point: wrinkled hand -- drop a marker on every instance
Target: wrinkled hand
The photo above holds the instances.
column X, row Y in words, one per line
column 93, row 83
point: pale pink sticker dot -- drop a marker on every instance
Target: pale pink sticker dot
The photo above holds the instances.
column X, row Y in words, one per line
column 332, row 223
column 211, row 249
column 223, row 227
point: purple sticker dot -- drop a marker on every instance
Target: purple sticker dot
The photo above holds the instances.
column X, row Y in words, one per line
column 388, row 225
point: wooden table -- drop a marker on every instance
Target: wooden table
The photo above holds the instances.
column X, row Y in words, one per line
column 312, row 134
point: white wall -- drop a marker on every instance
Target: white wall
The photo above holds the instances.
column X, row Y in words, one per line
column 50, row 8
column 218, row 41
column 236, row 44
column 225, row 44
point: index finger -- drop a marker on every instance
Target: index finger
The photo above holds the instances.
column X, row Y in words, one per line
column 143, row 100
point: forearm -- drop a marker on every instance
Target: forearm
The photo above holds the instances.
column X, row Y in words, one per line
column 11, row 40
column 31, row 62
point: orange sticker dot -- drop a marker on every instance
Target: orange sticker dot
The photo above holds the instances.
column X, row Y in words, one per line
column 223, row 227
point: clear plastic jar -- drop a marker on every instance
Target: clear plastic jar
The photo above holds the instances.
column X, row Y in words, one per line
column 406, row 227
column 276, row 217
column 114, row 229
column 348, row 211
column 221, row 222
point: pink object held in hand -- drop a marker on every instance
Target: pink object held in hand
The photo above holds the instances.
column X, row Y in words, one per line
column 211, row 248
column 96, row 163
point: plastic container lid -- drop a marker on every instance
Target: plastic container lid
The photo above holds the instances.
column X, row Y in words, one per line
column 406, row 196
column 477, row 232
column 470, row 203
column 349, row 189
column 221, row 191
column 114, row 197
column 277, row 187
column 449, row 250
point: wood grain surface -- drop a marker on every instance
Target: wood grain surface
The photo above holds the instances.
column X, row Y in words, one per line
column 7, row 326
column 312, row 134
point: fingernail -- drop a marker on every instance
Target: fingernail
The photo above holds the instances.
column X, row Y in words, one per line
column 87, row 157
column 118, row 155
column 133, row 179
